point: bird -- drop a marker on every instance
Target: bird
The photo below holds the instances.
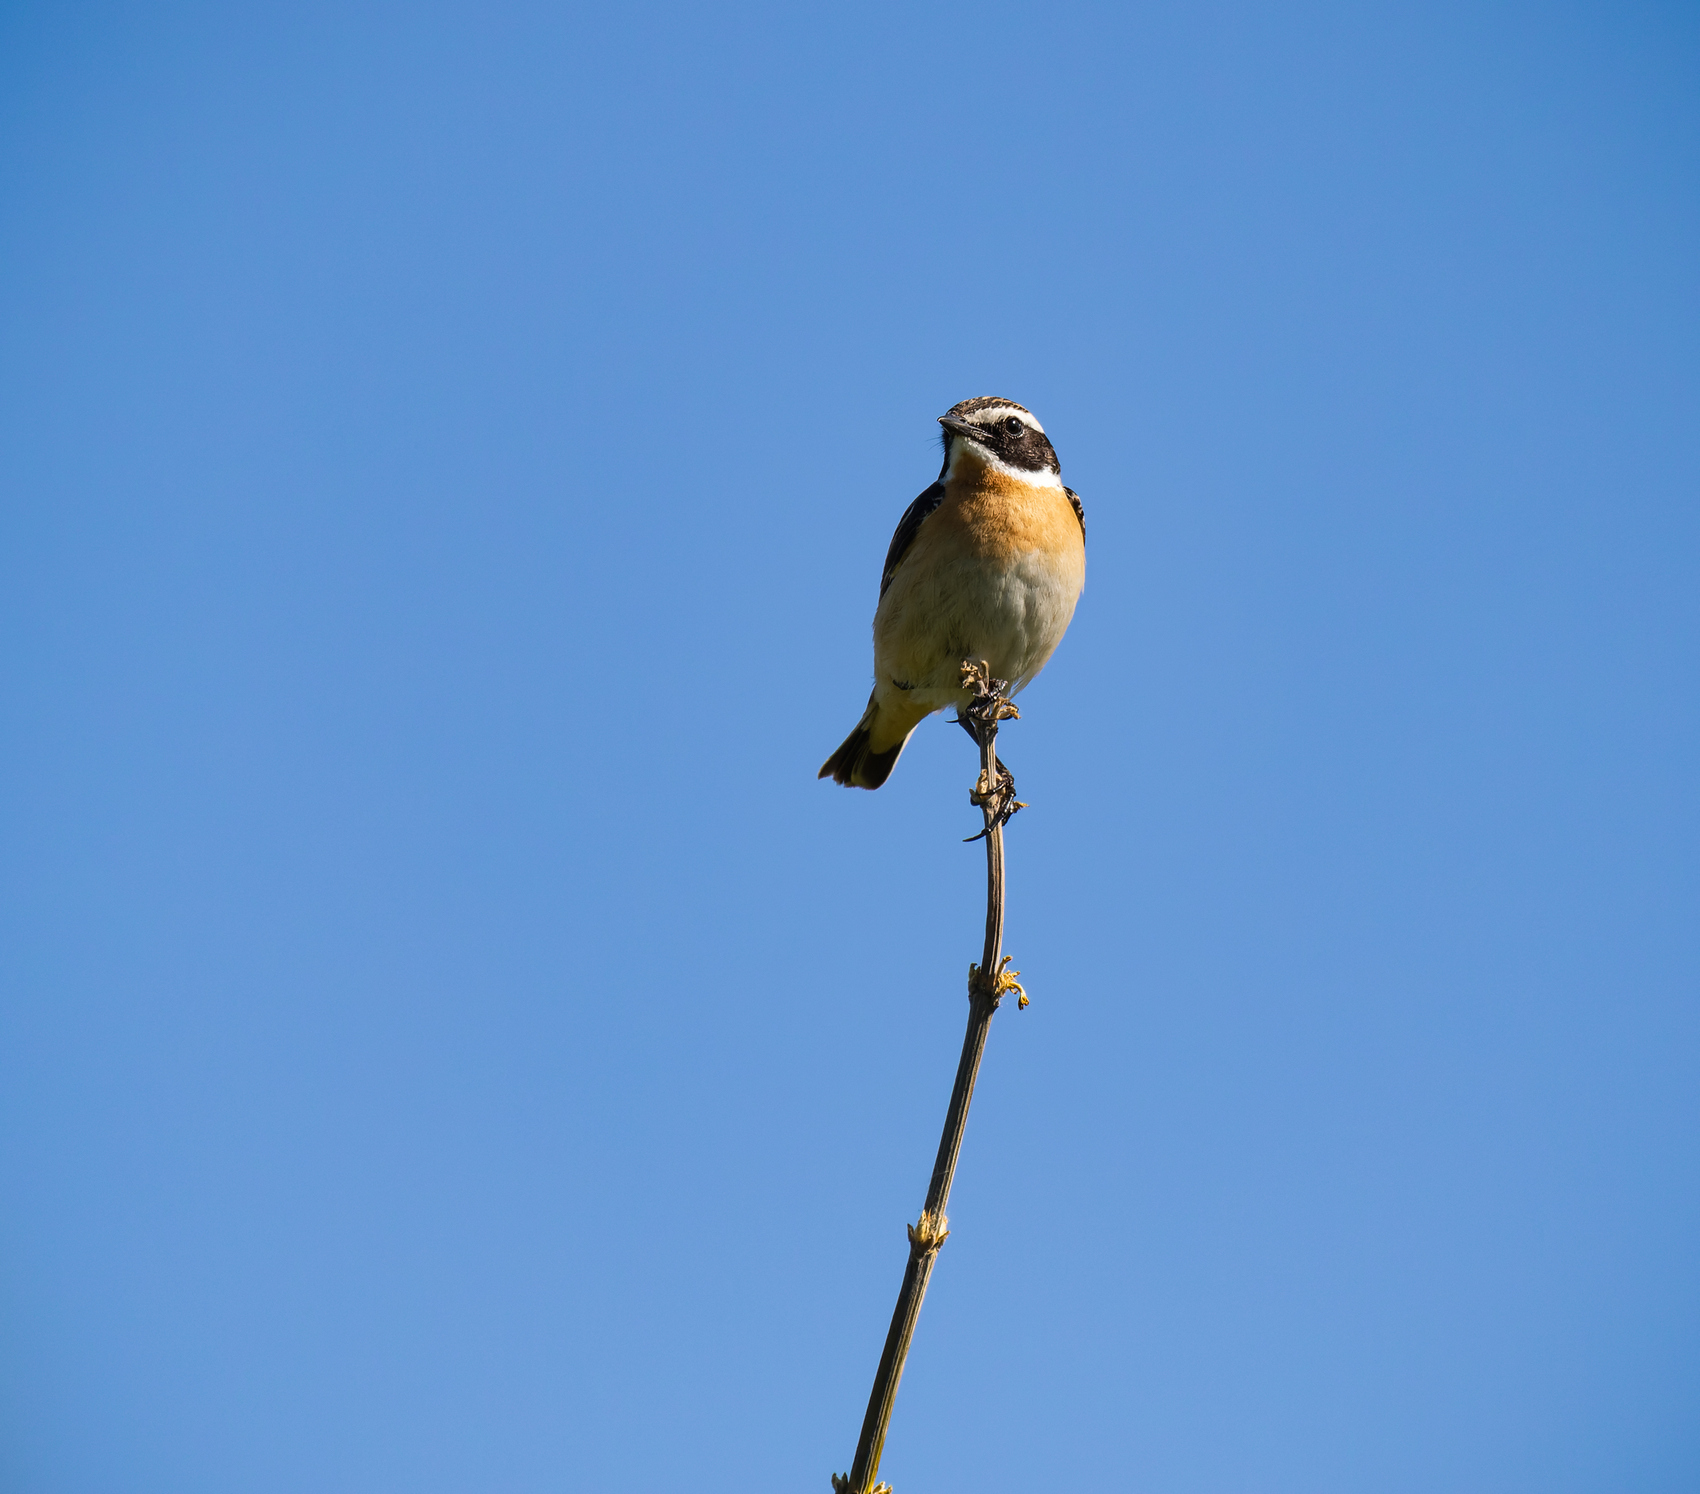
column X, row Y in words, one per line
column 986, row 565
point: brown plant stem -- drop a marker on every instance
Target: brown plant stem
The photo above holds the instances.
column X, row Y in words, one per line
column 988, row 984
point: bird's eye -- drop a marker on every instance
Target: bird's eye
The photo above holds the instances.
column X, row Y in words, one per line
column 1013, row 426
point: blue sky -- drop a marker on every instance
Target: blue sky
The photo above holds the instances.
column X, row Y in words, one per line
column 450, row 1041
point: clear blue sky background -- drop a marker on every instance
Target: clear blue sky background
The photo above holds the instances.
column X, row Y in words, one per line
column 452, row 1043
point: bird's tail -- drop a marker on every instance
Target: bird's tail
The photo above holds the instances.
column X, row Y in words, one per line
column 857, row 764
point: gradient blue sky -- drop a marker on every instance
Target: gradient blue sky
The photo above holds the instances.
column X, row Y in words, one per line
column 450, row 1040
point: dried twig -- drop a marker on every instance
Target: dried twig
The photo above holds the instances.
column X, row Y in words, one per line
column 988, row 983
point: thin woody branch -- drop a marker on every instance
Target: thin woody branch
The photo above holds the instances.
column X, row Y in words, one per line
column 988, row 983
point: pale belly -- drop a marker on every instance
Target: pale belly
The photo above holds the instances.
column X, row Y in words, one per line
column 1011, row 612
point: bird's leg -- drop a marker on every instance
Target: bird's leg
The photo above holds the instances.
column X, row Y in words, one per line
column 996, row 800
column 981, row 790
column 994, row 797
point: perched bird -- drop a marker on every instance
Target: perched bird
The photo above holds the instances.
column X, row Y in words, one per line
column 986, row 564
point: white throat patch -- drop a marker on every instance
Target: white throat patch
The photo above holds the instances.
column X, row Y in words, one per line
column 1043, row 478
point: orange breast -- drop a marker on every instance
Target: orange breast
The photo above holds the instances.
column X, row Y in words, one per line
column 998, row 517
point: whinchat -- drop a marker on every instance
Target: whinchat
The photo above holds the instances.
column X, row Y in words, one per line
column 987, row 564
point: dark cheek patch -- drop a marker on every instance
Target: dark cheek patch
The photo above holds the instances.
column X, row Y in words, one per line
column 1029, row 451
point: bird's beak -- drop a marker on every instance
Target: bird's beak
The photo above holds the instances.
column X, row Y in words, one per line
column 962, row 428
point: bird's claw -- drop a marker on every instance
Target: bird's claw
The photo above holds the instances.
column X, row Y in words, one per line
column 998, row 800
column 991, row 703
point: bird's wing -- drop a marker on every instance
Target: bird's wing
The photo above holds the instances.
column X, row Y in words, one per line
column 907, row 528
column 1079, row 511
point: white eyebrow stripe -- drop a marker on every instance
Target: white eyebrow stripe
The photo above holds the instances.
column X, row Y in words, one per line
column 992, row 413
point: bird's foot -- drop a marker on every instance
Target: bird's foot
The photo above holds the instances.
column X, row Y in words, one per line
column 996, row 800
column 991, row 703
column 993, row 796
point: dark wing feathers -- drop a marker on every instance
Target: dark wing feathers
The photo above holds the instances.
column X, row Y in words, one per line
column 1079, row 510
column 907, row 528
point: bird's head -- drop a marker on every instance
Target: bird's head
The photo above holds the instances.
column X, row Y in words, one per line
column 1002, row 434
